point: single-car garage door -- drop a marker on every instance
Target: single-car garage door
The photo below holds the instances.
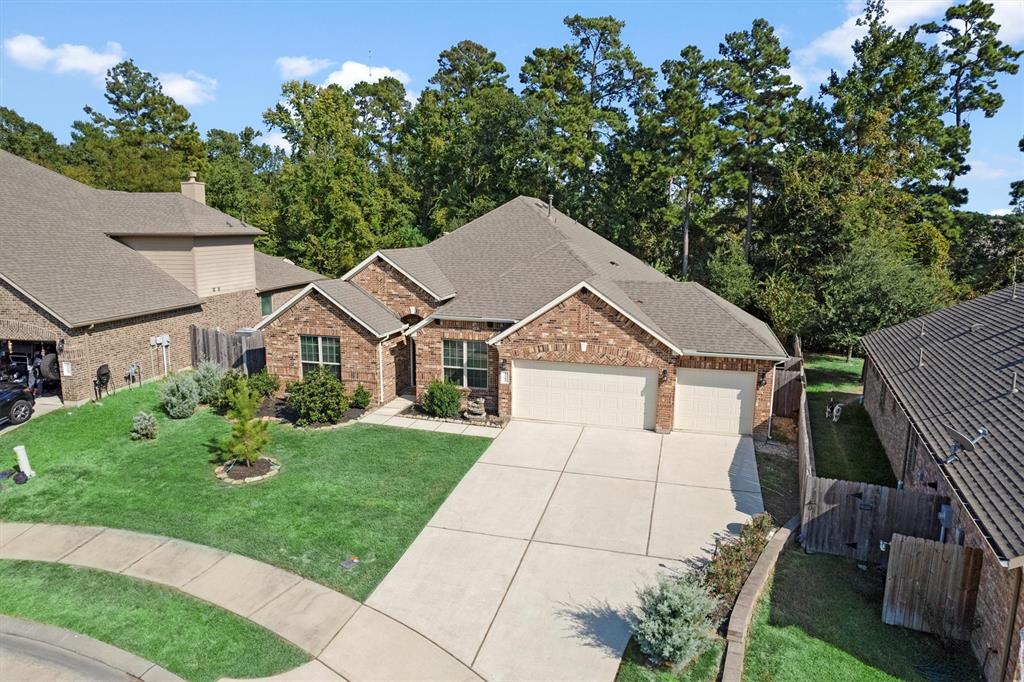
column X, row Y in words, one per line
column 714, row 401
column 584, row 394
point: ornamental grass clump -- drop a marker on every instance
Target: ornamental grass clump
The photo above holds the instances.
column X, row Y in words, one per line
column 144, row 426
column 442, row 399
column 249, row 435
column 179, row 396
column 674, row 623
column 318, row 399
column 208, row 376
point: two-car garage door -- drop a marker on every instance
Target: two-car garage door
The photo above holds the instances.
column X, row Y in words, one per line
column 584, row 394
column 711, row 401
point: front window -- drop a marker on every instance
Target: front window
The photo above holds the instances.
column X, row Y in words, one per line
column 465, row 363
column 266, row 304
column 321, row 351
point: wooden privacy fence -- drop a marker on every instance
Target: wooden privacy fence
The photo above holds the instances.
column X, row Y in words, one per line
column 931, row 586
column 789, row 387
column 243, row 352
column 851, row 519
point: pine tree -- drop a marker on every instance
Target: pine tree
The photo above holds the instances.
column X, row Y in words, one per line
column 249, row 434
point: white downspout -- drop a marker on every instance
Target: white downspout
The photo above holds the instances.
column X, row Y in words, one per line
column 380, row 371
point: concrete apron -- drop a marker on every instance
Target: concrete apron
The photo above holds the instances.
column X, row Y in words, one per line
column 529, row 569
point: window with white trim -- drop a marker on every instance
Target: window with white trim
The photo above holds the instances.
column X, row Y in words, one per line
column 465, row 363
column 320, row 351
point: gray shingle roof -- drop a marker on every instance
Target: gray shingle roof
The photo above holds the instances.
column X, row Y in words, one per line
column 362, row 306
column 514, row 260
column 54, row 233
column 971, row 351
column 275, row 272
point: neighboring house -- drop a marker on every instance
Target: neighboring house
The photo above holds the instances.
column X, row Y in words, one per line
column 94, row 275
column 962, row 368
column 542, row 318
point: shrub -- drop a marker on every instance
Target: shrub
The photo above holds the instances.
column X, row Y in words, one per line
column 360, row 397
column 264, row 383
column 726, row 572
column 179, row 396
column 442, row 399
column 144, row 426
column 318, row 399
column 231, row 380
column 674, row 619
column 248, row 434
column 208, row 376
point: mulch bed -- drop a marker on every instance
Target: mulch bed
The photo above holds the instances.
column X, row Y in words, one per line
column 278, row 408
column 239, row 470
column 416, row 411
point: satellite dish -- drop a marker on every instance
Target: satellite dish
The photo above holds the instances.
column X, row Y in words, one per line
column 962, row 442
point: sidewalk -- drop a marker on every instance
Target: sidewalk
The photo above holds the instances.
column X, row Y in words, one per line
column 347, row 640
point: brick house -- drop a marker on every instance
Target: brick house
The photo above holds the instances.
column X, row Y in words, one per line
column 542, row 318
column 962, row 368
column 92, row 275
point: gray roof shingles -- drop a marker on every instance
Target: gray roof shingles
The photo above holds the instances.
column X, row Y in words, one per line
column 512, row 261
column 275, row 272
column 362, row 306
column 71, row 265
column 971, row 351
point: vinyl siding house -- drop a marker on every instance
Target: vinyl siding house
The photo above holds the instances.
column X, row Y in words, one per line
column 962, row 368
column 94, row 274
column 542, row 318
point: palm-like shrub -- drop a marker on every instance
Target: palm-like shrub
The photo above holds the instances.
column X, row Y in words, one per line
column 674, row 619
column 248, row 434
column 208, row 376
column 179, row 396
column 318, row 399
column 442, row 399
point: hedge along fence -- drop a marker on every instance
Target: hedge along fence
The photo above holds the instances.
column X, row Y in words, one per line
column 746, row 602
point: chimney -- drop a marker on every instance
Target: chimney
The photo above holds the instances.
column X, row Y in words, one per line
column 551, row 199
column 194, row 190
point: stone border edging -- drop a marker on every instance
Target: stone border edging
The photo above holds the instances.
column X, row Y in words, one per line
column 746, row 602
column 86, row 647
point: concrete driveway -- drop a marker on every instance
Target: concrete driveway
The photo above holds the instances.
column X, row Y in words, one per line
column 529, row 569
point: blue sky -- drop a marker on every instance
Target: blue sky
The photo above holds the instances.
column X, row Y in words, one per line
column 226, row 60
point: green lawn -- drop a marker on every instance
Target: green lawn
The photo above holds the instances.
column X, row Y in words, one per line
column 849, row 450
column 189, row 637
column 824, row 614
column 634, row 667
column 361, row 490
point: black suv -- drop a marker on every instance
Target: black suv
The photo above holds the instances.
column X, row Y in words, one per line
column 16, row 403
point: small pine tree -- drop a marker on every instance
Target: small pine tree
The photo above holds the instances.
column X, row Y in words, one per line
column 248, row 434
column 360, row 397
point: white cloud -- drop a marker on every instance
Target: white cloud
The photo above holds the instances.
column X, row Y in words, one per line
column 33, row 53
column 275, row 139
column 190, row 88
column 1000, row 211
column 833, row 48
column 301, row 67
column 986, row 170
column 351, row 73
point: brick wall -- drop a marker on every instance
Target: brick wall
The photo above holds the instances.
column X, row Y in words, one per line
column 429, row 359
column 394, row 290
column 914, row 465
column 313, row 315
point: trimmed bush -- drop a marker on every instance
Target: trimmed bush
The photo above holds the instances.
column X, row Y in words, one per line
column 248, row 434
column 360, row 397
column 442, row 399
column 208, row 376
column 231, row 381
column 674, row 619
column 144, row 426
column 179, row 396
column 264, row 383
column 318, row 399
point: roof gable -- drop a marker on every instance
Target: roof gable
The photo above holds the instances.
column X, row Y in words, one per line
column 367, row 311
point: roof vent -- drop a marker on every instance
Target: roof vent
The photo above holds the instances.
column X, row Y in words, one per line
column 551, row 200
column 976, row 326
column 614, row 263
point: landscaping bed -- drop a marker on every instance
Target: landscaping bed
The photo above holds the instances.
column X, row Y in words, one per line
column 188, row 637
column 823, row 613
column 848, row 450
column 278, row 409
column 416, row 411
column 361, row 491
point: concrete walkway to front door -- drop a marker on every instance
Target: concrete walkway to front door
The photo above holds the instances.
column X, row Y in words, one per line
column 529, row 570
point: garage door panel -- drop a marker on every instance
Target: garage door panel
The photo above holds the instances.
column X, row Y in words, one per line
column 584, row 394
column 714, row 401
